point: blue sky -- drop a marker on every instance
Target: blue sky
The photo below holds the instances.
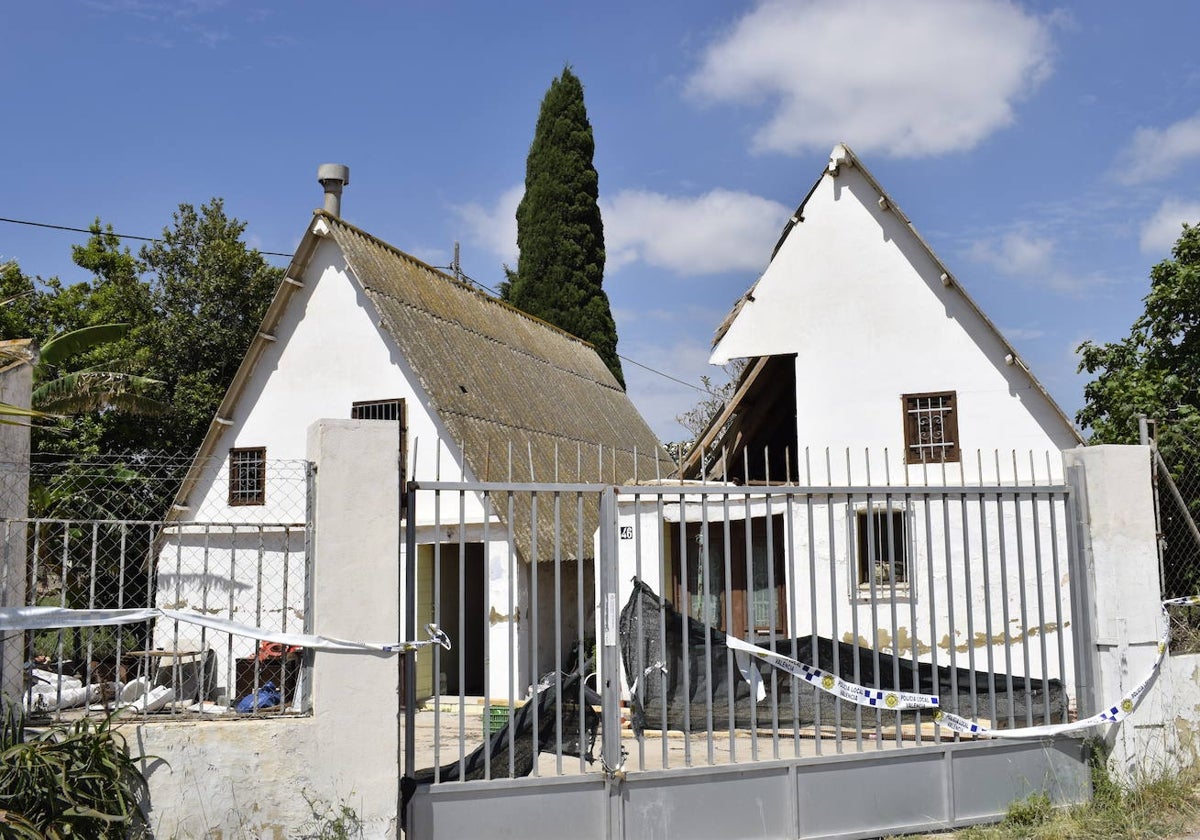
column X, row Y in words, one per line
column 1047, row 152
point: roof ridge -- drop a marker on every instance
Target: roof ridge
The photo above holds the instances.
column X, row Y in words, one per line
column 492, row 299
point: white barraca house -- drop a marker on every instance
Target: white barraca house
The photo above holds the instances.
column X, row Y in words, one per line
column 362, row 330
column 870, row 372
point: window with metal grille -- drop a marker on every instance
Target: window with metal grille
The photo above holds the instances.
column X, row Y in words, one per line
column 882, row 546
column 377, row 410
column 931, row 428
column 248, row 476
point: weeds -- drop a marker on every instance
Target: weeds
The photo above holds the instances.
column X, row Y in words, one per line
column 1162, row 807
column 331, row 822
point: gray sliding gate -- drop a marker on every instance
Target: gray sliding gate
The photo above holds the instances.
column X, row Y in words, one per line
column 967, row 593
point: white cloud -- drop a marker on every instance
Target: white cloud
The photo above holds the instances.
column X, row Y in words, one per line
column 718, row 231
column 495, row 228
column 1015, row 254
column 1033, row 259
column 1155, row 153
column 911, row 78
column 1022, row 333
column 1162, row 229
column 721, row 230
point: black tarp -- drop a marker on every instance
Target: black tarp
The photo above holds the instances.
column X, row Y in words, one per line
column 526, row 744
column 684, row 698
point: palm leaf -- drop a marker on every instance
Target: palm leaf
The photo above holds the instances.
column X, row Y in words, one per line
column 65, row 345
column 96, row 390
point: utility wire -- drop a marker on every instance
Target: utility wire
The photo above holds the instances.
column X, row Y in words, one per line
column 118, row 235
column 457, row 269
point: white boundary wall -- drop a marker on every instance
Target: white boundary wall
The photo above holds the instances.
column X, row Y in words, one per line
column 249, row 778
column 1163, row 735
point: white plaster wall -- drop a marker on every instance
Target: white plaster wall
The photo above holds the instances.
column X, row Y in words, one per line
column 857, row 298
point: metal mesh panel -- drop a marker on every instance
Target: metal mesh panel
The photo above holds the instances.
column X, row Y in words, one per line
column 86, row 548
column 1177, row 488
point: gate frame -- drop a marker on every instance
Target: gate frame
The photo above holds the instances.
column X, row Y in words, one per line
column 975, row 781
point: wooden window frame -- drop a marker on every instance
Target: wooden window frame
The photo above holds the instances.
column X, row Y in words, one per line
column 943, row 440
column 246, row 457
column 871, row 551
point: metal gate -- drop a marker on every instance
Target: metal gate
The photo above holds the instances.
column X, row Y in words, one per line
column 644, row 594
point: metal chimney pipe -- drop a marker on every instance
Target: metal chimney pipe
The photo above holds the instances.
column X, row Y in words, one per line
column 333, row 176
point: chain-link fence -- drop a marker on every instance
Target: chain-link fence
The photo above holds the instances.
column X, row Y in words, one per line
column 1177, row 488
column 122, row 533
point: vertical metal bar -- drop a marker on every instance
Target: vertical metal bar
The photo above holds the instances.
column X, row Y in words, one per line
column 408, row 620
column 1021, row 585
column 558, row 619
column 969, row 601
column 1060, row 640
column 437, row 619
column 534, row 651
column 1079, row 567
column 685, row 625
column 610, row 695
column 640, row 646
column 513, row 658
column 814, row 625
column 579, row 635
column 927, row 506
column 207, row 578
column 772, row 614
column 91, row 632
column 1041, row 606
column 462, row 624
column 950, row 623
column 833, row 601
column 230, row 663
column 662, row 617
column 985, row 561
column 487, row 635
column 1004, row 600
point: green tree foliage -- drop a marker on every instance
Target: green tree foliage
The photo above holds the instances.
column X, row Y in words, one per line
column 1155, row 370
column 190, row 305
column 560, row 234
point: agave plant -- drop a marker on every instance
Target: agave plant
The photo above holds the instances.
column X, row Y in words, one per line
column 70, row 781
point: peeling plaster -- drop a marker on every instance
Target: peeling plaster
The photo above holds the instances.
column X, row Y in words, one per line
column 904, row 641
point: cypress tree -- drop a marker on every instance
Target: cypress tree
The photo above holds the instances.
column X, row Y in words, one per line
column 560, row 234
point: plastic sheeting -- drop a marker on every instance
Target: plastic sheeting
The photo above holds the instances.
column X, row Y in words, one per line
column 691, row 687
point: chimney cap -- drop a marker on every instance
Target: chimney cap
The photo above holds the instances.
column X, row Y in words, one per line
column 333, row 172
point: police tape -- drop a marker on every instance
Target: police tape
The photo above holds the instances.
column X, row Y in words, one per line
column 900, row 701
column 50, row 618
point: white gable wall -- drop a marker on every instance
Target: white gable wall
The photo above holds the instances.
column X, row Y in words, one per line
column 329, row 352
column 855, row 295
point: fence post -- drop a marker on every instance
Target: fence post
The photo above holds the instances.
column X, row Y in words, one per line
column 610, row 661
column 1120, row 567
column 1081, row 568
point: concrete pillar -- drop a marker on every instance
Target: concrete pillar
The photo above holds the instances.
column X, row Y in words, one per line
column 357, row 594
column 16, row 384
column 1121, row 552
